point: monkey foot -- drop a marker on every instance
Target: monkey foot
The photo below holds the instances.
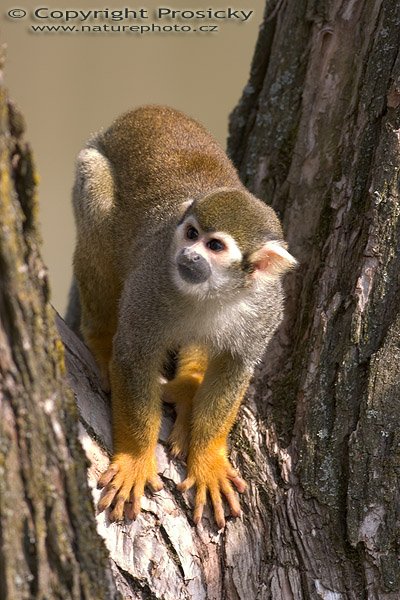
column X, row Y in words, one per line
column 178, row 440
column 178, row 449
column 180, row 392
column 213, row 473
column 124, row 483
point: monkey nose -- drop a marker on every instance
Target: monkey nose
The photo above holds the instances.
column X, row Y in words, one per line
column 191, row 255
column 193, row 267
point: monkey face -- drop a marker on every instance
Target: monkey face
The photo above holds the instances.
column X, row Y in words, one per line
column 205, row 263
column 208, row 261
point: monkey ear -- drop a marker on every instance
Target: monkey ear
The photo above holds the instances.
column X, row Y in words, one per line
column 184, row 206
column 272, row 259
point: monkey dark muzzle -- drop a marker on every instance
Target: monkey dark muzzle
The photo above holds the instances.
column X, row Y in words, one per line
column 193, row 267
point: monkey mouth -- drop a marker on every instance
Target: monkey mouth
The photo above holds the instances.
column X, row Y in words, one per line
column 192, row 274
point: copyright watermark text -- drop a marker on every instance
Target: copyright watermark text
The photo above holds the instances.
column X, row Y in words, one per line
column 128, row 20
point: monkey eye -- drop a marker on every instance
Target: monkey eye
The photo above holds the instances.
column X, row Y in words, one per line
column 192, row 233
column 216, row 245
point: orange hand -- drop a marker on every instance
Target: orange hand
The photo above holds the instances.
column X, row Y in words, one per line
column 124, row 483
column 212, row 472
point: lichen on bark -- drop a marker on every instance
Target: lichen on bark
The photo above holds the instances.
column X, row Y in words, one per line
column 49, row 547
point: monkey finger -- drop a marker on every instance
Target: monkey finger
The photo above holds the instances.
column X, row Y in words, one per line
column 107, row 498
column 238, row 482
column 107, row 476
column 156, row 484
column 218, row 507
column 186, row 484
column 231, row 499
column 117, row 513
column 200, row 501
column 133, row 510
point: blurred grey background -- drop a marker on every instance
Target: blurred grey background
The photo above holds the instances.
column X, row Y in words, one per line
column 71, row 85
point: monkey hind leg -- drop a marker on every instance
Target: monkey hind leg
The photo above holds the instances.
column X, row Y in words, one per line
column 192, row 365
column 97, row 286
column 100, row 345
column 73, row 312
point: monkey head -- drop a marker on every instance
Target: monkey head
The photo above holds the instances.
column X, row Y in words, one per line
column 225, row 242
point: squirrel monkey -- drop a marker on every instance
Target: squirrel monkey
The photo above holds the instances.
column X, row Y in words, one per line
column 172, row 253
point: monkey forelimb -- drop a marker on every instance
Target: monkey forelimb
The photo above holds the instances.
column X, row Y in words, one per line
column 212, row 418
column 135, row 432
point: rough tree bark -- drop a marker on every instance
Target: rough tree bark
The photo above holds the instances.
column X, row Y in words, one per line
column 49, row 547
column 316, row 134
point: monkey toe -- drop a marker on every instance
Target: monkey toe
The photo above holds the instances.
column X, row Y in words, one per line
column 185, row 485
column 117, row 512
column 107, row 498
column 200, row 502
column 156, row 484
column 237, row 481
column 133, row 510
column 231, row 499
column 216, row 500
column 108, row 476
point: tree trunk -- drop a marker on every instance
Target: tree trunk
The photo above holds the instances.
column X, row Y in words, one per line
column 316, row 136
column 49, row 547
